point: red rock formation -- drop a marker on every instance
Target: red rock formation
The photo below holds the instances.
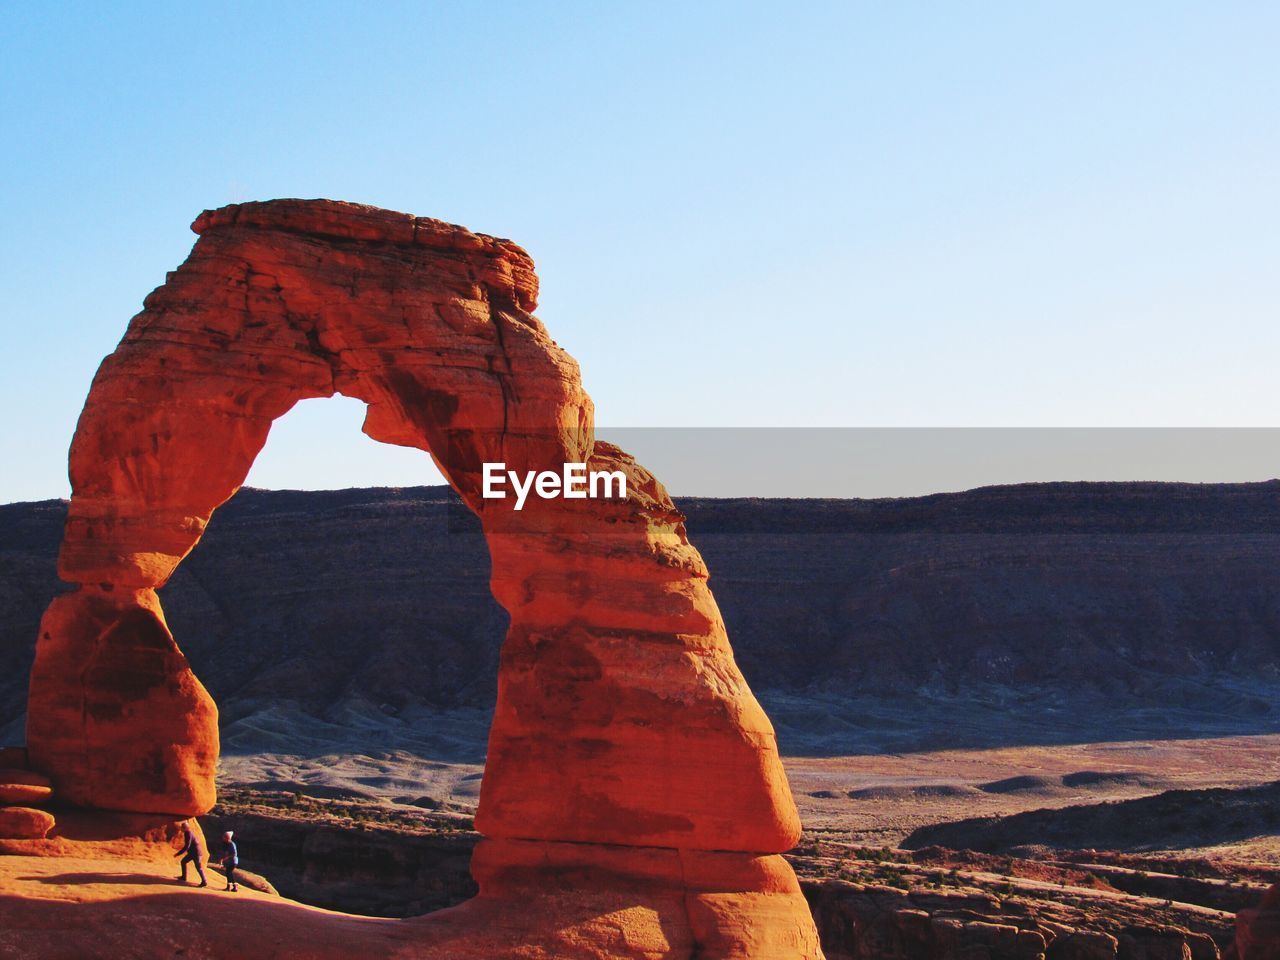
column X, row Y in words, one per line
column 125, row 837
column 24, row 786
column 1258, row 930
column 621, row 720
column 24, row 823
column 130, row 728
column 18, row 788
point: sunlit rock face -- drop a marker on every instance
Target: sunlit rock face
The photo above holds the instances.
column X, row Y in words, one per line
column 628, row 761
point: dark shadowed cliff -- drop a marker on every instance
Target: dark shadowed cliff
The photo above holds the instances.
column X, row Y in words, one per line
column 1043, row 613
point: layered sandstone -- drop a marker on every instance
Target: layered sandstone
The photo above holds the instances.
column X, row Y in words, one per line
column 627, row 758
column 21, row 791
column 24, row 823
column 19, row 787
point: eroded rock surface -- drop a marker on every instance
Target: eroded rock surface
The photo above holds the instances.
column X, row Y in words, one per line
column 18, row 787
column 870, row 922
column 628, row 760
column 1258, row 929
column 24, row 823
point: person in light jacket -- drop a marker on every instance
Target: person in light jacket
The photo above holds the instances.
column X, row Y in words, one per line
column 230, row 860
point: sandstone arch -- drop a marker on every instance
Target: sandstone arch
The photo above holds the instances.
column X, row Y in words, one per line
column 616, row 673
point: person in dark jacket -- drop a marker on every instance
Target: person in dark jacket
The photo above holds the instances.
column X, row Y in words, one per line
column 192, row 852
column 230, row 860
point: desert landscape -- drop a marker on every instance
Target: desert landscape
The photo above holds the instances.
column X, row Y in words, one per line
column 618, row 700
column 1118, row 800
column 666, row 481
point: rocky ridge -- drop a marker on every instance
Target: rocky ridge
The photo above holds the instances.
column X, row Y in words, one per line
column 1044, row 613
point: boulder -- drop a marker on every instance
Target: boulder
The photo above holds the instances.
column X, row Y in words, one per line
column 24, row 787
column 24, row 823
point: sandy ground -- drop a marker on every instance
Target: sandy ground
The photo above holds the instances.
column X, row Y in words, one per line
column 878, row 800
column 398, row 776
column 875, row 799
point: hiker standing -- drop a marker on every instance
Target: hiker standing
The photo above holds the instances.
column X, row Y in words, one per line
column 192, row 852
column 230, row 860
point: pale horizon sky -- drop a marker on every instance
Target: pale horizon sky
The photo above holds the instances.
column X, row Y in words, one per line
column 743, row 215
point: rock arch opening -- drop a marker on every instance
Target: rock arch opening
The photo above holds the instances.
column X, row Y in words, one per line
column 625, row 744
column 318, row 445
column 354, row 622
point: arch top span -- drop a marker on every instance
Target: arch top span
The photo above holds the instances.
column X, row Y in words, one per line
column 622, row 720
column 426, row 322
column 499, row 263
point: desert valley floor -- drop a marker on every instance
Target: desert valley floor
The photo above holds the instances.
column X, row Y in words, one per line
column 1020, row 721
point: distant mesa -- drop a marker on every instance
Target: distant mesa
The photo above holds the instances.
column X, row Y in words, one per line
column 631, row 773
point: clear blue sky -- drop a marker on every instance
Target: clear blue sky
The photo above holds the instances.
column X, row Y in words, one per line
column 743, row 214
